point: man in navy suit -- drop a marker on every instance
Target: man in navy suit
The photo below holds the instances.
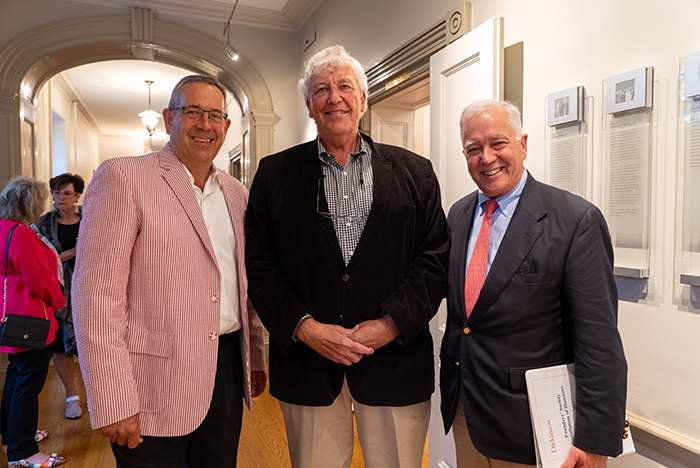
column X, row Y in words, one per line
column 548, row 297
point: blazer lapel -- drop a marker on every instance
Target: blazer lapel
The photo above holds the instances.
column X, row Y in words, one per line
column 310, row 175
column 522, row 233
column 381, row 192
column 176, row 177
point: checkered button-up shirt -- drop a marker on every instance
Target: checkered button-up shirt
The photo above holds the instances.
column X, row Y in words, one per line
column 348, row 192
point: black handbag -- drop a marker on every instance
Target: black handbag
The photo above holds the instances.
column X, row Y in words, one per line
column 22, row 331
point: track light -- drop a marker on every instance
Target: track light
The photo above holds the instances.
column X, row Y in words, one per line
column 230, row 51
column 232, row 54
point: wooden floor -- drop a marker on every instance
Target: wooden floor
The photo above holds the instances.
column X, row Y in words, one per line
column 263, row 438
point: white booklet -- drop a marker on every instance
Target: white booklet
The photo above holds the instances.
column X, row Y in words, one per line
column 552, row 396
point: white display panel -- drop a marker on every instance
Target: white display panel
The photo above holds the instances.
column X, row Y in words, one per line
column 627, row 154
column 687, row 263
column 566, row 137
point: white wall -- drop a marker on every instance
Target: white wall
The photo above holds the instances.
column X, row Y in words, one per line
column 582, row 42
column 87, row 153
column 113, row 147
column 82, row 149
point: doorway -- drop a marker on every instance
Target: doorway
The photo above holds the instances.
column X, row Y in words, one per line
column 403, row 118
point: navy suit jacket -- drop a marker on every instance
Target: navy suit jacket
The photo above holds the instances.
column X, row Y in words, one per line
column 549, row 298
column 399, row 267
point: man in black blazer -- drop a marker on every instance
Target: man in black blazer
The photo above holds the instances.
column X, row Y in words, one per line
column 346, row 251
column 549, row 297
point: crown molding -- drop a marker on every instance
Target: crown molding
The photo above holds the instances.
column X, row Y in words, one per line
column 291, row 17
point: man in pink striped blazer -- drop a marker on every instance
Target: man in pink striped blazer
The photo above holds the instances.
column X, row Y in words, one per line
column 169, row 345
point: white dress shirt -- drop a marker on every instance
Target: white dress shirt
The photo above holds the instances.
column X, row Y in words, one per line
column 499, row 222
column 213, row 205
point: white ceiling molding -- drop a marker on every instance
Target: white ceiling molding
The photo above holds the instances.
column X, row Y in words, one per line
column 285, row 15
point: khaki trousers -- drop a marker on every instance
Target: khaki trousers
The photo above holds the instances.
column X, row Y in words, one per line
column 322, row 436
column 467, row 455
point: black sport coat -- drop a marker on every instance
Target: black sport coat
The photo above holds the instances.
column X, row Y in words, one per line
column 399, row 267
column 549, row 298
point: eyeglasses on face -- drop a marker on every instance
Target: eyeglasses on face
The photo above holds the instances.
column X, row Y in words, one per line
column 64, row 193
column 325, row 214
column 196, row 113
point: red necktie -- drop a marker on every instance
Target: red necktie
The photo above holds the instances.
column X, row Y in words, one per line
column 476, row 273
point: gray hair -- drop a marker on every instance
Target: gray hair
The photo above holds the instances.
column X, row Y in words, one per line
column 209, row 80
column 330, row 59
column 22, row 198
column 487, row 104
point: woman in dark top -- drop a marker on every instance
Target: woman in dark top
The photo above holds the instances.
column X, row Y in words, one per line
column 61, row 226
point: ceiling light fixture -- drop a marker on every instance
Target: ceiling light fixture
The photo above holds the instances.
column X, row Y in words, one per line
column 230, row 51
column 150, row 117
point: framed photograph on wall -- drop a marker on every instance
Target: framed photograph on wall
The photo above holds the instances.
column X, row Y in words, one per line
column 692, row 75
column 565, row 106
column 630, row 90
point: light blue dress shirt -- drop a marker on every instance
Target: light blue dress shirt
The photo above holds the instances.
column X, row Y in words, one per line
column 499, row 220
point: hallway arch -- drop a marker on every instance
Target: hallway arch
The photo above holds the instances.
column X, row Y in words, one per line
column 35, row 56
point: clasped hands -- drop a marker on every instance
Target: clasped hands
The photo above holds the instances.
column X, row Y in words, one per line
column 347, row 345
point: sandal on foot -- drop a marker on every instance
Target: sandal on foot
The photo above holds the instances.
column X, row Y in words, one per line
column 74, row 414
column 54, row 460
column 38, row 437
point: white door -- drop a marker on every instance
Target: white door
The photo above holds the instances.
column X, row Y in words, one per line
column 403, row 119
column 469, row 69
column 393, row 125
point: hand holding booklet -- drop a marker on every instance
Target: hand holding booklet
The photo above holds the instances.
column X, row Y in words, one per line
column 552, row 398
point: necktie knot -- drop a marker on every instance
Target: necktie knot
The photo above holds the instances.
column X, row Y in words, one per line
column 489, row 207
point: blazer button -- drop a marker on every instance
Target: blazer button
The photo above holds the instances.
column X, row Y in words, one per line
column 346, row 277
column 466, row 330
column 215, row 298
column 456, row 363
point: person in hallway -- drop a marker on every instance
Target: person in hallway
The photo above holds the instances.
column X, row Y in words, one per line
column 168, row 344
column 61, row 226
column 30, row 269
column 346, row 252
column 530, row 285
